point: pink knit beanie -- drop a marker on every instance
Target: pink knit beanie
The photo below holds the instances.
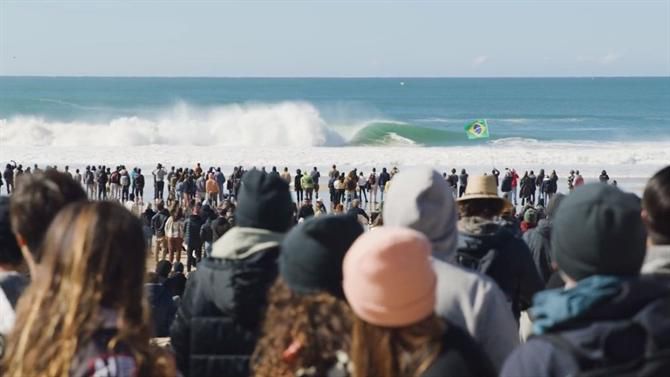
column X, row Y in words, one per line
column 388, row 277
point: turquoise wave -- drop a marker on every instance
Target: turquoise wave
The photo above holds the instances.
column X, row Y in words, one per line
column 395, row 133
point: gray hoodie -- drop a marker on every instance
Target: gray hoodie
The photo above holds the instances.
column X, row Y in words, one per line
column 420, row 199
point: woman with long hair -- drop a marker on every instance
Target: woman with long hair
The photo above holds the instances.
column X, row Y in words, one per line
column 85, row 313
column 390, row 284
column 307, row 329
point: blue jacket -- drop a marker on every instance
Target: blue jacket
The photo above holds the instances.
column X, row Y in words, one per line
column 586, row 318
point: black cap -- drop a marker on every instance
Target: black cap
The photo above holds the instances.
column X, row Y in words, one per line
column 312, row 253
column 264, row 202
column 598, row 230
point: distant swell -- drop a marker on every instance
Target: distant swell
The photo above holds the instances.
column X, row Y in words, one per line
column 288, row 124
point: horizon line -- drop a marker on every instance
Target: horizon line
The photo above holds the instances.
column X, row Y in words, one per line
column 333, row 77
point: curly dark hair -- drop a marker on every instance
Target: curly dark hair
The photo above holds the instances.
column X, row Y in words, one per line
column 315, row 326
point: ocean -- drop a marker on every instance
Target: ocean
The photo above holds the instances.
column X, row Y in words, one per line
column 616, row 123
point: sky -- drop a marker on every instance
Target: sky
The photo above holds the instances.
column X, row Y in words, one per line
column 335, row 38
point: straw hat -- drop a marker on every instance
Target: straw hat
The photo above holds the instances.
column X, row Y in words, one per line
column 481, row 187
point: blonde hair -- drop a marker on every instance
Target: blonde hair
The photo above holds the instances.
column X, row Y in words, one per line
column 94, row 259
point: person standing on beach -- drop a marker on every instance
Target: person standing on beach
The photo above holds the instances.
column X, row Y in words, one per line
column 481, row 237
column 8, row 174
column 496, row 173
column 315, row 180
column 307, row 325
column 159, row 181
column 384, row 177
column 515, row 184
column 656, row 218
column 604, row 178
column 362, row 187
column 463, row 178
column 160, row 241
column 286, row 176
column 12, row 282
column 390, row 284
column 80, row 295
column 373, row 187
column 297, row 186
column 579, row 180
column 103, row 178
column 192, row 237
column 220, row 180
column 139, row 185
column 307, row 185
column 212, row 187
column 220, row 315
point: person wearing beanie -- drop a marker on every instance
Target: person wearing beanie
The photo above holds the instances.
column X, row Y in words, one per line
column 529, row 220
column 389, row 282
column 538, row 240
column 219, row 316
column 609, row 319
column 420, row 199
column 308, row 323
column 12, row 282
column 656, row 217
column 488, row 247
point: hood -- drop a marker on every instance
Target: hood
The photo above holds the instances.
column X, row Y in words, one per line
column 477, row 226
column 544, row 228
column 240, row 242
column 657, row 260
column 599, row 298
column 422, row 200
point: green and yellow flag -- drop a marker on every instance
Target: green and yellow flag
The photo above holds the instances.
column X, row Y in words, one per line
column 478, row 129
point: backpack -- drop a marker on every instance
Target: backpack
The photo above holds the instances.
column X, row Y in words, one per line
column 125, row 180
column 351, row 184
column 506, row 185
column 115, row 177
column 372, row 180
column 640, row 333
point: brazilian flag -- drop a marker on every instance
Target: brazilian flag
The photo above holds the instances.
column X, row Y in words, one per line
column 478, row 129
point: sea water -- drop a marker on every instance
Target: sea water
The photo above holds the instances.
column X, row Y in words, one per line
column 620, row 124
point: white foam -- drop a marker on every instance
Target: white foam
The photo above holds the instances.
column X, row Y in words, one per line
column 296, row 124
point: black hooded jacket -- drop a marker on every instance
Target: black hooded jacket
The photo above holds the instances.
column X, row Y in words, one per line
column 220, row 314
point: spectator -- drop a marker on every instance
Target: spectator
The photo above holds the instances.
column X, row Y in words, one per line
column 656, row 217
column 486, row 246
column 36, row 201
column 220, row 314
column 608, row 320
column 94, row 316
column 539, row 240
column 12, row 283
column 308, row 322
column 163, row 308
column 420, row 199
column 390, row 284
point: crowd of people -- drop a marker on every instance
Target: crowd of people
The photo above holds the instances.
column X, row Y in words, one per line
column 407, row 273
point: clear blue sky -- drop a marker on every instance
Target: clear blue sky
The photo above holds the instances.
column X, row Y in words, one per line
column 338, row 38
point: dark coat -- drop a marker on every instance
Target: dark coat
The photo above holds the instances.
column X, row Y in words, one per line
column 163, row 309
column 461, row 356
column 542, row 357
column 539, row 243
column 219, row 318
column 192, row 232
column 158, row 222
column 513, row 268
